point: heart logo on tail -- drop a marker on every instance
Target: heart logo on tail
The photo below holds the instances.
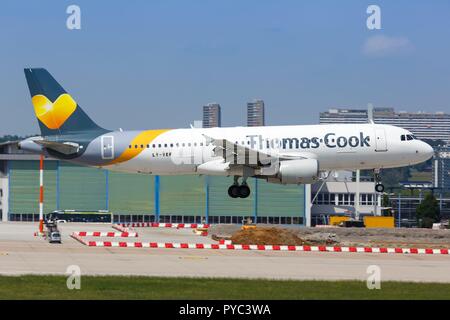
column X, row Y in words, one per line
column 53, row 115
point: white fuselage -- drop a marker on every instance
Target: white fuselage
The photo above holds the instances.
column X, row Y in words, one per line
column 335, row 147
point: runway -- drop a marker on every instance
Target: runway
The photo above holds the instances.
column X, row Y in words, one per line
column 22, row 253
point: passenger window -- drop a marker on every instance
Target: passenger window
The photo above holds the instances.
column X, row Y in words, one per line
column 201, row 144
column 171, row 145
column 189, row 144
column 135, row 146
column 183, row 145
column 129, row 146
column 159, row 145
column 154, row 146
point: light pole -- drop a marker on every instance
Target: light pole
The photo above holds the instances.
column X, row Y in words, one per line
column 41, row 194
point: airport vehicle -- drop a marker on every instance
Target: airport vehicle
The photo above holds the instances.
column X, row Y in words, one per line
column 65, row 216
column 279, row 154
column 54, row 237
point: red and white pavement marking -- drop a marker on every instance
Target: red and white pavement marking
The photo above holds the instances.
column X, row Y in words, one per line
column 106, row 234
column 118, row 227
column 121, row 228
column 171, row 245
column 164, row 225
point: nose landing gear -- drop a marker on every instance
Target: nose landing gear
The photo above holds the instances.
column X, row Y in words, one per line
column 379, row 186
column 239, row 191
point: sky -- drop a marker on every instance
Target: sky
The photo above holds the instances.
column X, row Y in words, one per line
column 153, row 64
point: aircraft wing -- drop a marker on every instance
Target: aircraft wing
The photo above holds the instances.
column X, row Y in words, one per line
column 237, row 154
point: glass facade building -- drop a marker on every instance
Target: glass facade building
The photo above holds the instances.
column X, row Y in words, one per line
column 433, row 126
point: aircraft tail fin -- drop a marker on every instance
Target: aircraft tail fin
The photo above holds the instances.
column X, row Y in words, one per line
column 56, row 111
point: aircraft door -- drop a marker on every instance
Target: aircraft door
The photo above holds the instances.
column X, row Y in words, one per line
column 197, row 149
column 184, row 156
column 380, row 140
column 107, row 145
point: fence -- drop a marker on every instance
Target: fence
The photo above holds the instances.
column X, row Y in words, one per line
column 145, row 198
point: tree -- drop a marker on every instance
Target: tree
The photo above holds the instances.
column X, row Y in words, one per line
column 386, row 203
column 392, row 177
column 10, row 138
column 428, row 211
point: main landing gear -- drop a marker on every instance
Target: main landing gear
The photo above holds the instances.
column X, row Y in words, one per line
column 239, row 191
column 379, row 187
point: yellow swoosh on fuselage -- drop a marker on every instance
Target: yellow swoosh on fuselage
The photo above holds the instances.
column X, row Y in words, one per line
column 143, row 138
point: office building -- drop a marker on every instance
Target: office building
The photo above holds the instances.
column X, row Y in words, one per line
column 211, row 115
column 441, row 168
column 255, row 113
column 337, row 195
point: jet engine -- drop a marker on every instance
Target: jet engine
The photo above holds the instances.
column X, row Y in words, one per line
column 303, row 171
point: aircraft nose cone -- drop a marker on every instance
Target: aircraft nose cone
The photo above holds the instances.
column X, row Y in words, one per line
column 426, row 150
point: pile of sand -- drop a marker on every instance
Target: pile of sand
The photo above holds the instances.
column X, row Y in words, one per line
column 267, row 236
column 361, row 237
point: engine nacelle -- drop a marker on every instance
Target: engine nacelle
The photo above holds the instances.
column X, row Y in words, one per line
column 303, row 171
column 215, row 167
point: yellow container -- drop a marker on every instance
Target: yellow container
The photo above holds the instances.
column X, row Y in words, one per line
column 379, row 222
column 335, row 220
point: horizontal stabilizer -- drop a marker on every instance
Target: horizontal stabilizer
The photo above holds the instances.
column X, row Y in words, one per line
column 61, row 147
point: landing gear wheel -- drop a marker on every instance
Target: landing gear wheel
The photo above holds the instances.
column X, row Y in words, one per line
column 233, row 191
column 379, row 187
column 244, row 191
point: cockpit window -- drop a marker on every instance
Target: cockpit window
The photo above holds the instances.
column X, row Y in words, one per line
column 408, row 137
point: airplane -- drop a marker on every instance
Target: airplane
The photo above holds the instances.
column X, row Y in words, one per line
column 295, row 154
